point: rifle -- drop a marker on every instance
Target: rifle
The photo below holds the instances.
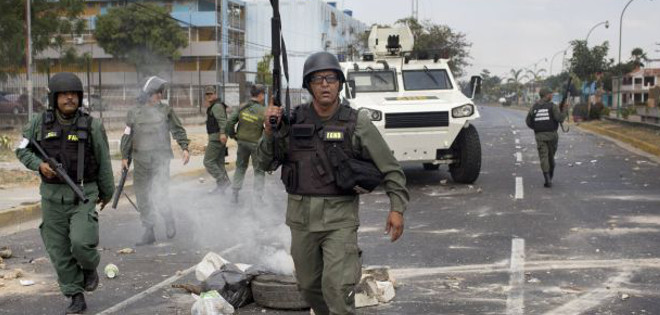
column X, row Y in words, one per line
column 120, row 185
column 278, row 50
column 564, row 103
column 59, row 170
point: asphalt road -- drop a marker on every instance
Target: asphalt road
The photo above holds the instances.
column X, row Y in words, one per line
column 505, row 245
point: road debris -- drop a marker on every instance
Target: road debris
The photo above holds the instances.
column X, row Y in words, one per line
column 211, row 303
column 111, row 271
column 39, row 260
column 624, row 297
column 5, row 252
column 126, row 251
column 26, row 283
column 14, row 274
column 191, row 288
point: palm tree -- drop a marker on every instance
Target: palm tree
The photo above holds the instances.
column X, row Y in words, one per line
column 516, row 79
column 534, row 77
column 638, row 57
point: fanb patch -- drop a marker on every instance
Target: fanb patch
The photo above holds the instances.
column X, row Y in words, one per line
column 51, row 134
column 333, row 135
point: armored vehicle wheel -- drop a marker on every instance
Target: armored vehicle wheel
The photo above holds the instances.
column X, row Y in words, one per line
column 431, row 167
column 278, row 292
column 468, row 150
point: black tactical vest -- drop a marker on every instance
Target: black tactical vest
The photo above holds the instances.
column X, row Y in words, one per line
column 61, row 143
column 151, row 130
column 307, row 169
column 542, row 118
column 211, row 121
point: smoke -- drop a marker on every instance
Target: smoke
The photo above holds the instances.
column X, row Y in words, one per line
column 215, row 224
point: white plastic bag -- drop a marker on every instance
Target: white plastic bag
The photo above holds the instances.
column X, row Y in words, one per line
column 211, row 303
column 209, row 264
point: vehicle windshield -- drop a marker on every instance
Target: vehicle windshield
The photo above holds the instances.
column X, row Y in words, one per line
column 426, row 79
column 373, row 81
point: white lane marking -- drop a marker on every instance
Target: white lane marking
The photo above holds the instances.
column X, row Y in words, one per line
column 519, row 157
column 519, row 188
column 515, row 296
column 514, row 132
column 120, row 306
column 594, row 297
column 517, row 141
column 539, row 265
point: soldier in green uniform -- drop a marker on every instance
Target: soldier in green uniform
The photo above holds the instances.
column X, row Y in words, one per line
column 216, row 122
column 544, row 118
column 147, row 142
column 246, row 125
column 69, row 228
column 323, row 217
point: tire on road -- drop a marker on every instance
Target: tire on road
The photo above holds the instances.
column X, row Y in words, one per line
column 431, row 167
column 277, row 292
column 467, row 148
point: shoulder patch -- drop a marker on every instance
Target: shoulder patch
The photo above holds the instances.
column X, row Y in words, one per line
column 127, row 130
column 24, row 143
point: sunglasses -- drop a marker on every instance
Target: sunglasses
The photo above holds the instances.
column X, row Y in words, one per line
column 317, row 79
column 207, row 94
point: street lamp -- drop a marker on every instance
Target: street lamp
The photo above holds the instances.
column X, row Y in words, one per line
column 607, row 25
column 618, row 110
column 552, row 60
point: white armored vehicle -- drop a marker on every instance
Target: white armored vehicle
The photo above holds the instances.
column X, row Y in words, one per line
column 416, row 105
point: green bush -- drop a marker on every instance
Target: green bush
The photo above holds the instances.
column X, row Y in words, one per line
column 580, row 111
column 606, row 111
column 596, row 111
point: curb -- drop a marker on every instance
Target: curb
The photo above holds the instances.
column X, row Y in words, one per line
column 22, row 214
column 644, row 146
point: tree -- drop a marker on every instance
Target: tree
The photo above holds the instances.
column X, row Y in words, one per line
column 638, row 57
column 264, row 75
column 143, row 35
column 440, row 40
column 490, row 86
column 516, row 81
column 51, row 21
column 586, row 63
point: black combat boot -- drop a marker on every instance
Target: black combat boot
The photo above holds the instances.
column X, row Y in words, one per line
column 170, row 228
column 234, row 197
column 148, row 237
column 548, row 180
column 91, row 279
column 77, row 305
column 552, row 171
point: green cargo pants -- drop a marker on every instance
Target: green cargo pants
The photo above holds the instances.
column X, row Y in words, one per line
column 546, row 143
column 244, row 152
column 70, row 233
column 214, row 161
column 328, row 266
column 151, row 183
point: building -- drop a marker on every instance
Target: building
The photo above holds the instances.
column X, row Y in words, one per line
column 635, row 86
column 308, row 26
column 215, row 53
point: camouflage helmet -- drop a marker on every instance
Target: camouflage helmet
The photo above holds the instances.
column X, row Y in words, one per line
column 64, row 82
column 318, row 62
column 150, row 86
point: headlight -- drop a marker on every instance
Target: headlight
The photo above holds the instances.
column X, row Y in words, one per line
column 463, row 111
column 375, row 115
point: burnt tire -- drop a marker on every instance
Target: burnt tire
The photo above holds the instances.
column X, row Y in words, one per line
column 431, row 166
column 467, row 148
column 277, row 292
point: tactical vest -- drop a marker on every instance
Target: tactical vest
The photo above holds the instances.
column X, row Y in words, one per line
column 211, row 121
column 61, row 142
column 307, row 169
column 542, row 118
column 151, row 130
column 250, row 123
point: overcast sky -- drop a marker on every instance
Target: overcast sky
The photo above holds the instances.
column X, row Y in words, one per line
column 508, row 34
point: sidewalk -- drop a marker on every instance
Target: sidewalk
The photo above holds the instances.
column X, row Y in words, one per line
column 20, row 205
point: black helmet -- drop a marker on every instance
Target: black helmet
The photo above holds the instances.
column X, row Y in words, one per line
column 321, row 61
column 64, row 82
column 150, row 86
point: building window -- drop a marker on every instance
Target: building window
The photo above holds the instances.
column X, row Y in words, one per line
column 649, row 81
column 638, row 81
column 627, row 81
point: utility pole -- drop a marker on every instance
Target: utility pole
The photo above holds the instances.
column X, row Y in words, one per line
column 415, row 9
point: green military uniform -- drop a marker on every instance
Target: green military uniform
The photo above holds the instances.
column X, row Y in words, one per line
column 250, row 120
column 547, row 139
column 214, row 157
column 324, row 228
column 70, row 229
column 147, row 141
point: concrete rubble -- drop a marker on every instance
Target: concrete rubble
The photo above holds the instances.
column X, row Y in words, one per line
column 376, row 286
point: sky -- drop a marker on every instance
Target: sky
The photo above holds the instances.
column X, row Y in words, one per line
column 514, row 34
